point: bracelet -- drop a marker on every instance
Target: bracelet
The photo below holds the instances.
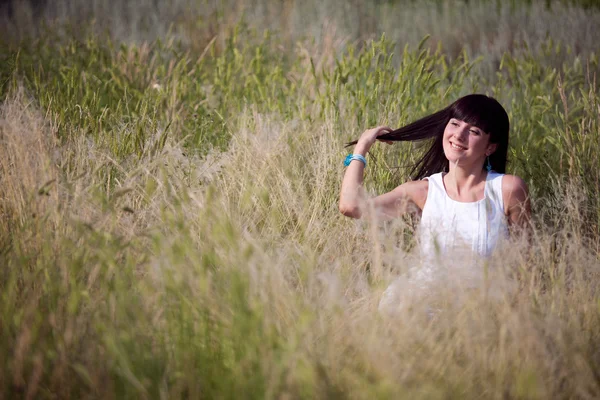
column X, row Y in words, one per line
column 351, row 157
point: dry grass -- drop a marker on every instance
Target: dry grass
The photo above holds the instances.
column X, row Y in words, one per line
column 169, row 214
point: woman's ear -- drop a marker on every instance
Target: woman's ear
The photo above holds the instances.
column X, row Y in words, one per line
column 491, row 149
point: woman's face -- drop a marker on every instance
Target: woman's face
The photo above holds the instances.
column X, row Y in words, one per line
column 466, row 144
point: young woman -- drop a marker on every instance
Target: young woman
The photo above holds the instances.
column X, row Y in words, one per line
column 459, row 186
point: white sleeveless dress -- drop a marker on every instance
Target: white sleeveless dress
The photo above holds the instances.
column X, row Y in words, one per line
column 454, row 237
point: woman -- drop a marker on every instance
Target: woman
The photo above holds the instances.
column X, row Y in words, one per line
column 465, row 199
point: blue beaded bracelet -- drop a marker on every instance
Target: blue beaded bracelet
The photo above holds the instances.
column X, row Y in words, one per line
column 351, row 157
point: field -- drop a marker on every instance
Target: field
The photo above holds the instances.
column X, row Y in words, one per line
column 169, row 186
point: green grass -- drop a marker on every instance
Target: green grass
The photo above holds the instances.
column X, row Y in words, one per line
column 169, row 204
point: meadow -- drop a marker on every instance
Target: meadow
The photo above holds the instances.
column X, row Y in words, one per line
column 169, row 186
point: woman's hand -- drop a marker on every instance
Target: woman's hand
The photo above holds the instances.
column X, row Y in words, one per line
column 369, row 137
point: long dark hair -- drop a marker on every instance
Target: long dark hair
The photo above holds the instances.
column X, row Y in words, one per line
column 479, row 110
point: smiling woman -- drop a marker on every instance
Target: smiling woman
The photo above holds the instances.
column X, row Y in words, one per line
column 465, row 200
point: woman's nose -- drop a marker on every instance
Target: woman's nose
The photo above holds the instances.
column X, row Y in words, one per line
column 461, row 134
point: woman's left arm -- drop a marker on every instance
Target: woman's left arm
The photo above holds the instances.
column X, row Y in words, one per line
column 517, row 205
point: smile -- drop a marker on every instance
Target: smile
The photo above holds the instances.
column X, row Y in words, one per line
column 457, row 147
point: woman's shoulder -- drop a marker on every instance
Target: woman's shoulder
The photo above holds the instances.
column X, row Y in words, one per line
column 417, row 191
column 513, row 183
column 414, row 191
column 514, row 191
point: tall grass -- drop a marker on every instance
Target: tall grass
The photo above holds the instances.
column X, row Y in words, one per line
column 170, row 223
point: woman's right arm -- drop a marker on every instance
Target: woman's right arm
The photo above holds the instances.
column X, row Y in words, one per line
column 352, row 195
column 353, row 199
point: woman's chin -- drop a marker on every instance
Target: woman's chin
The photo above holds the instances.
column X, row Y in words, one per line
column 452, row 158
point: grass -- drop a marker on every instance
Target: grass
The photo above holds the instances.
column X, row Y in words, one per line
column 169, row 205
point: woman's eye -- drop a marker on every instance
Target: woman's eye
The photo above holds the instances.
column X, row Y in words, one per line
column 454, row 123
column 473, row 131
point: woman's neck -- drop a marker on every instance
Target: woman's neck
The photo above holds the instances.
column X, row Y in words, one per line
column 463, row 180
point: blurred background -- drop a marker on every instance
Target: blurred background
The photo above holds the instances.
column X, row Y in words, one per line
column 486, row 28
column 169, row 187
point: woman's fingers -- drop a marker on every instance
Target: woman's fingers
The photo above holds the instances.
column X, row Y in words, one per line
column 370, row 135
column 382, row 130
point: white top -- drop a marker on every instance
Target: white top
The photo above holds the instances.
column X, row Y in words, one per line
column 447, row 224
column 454, row 237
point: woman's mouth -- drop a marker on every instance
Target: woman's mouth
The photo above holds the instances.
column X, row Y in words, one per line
column 457, row 147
